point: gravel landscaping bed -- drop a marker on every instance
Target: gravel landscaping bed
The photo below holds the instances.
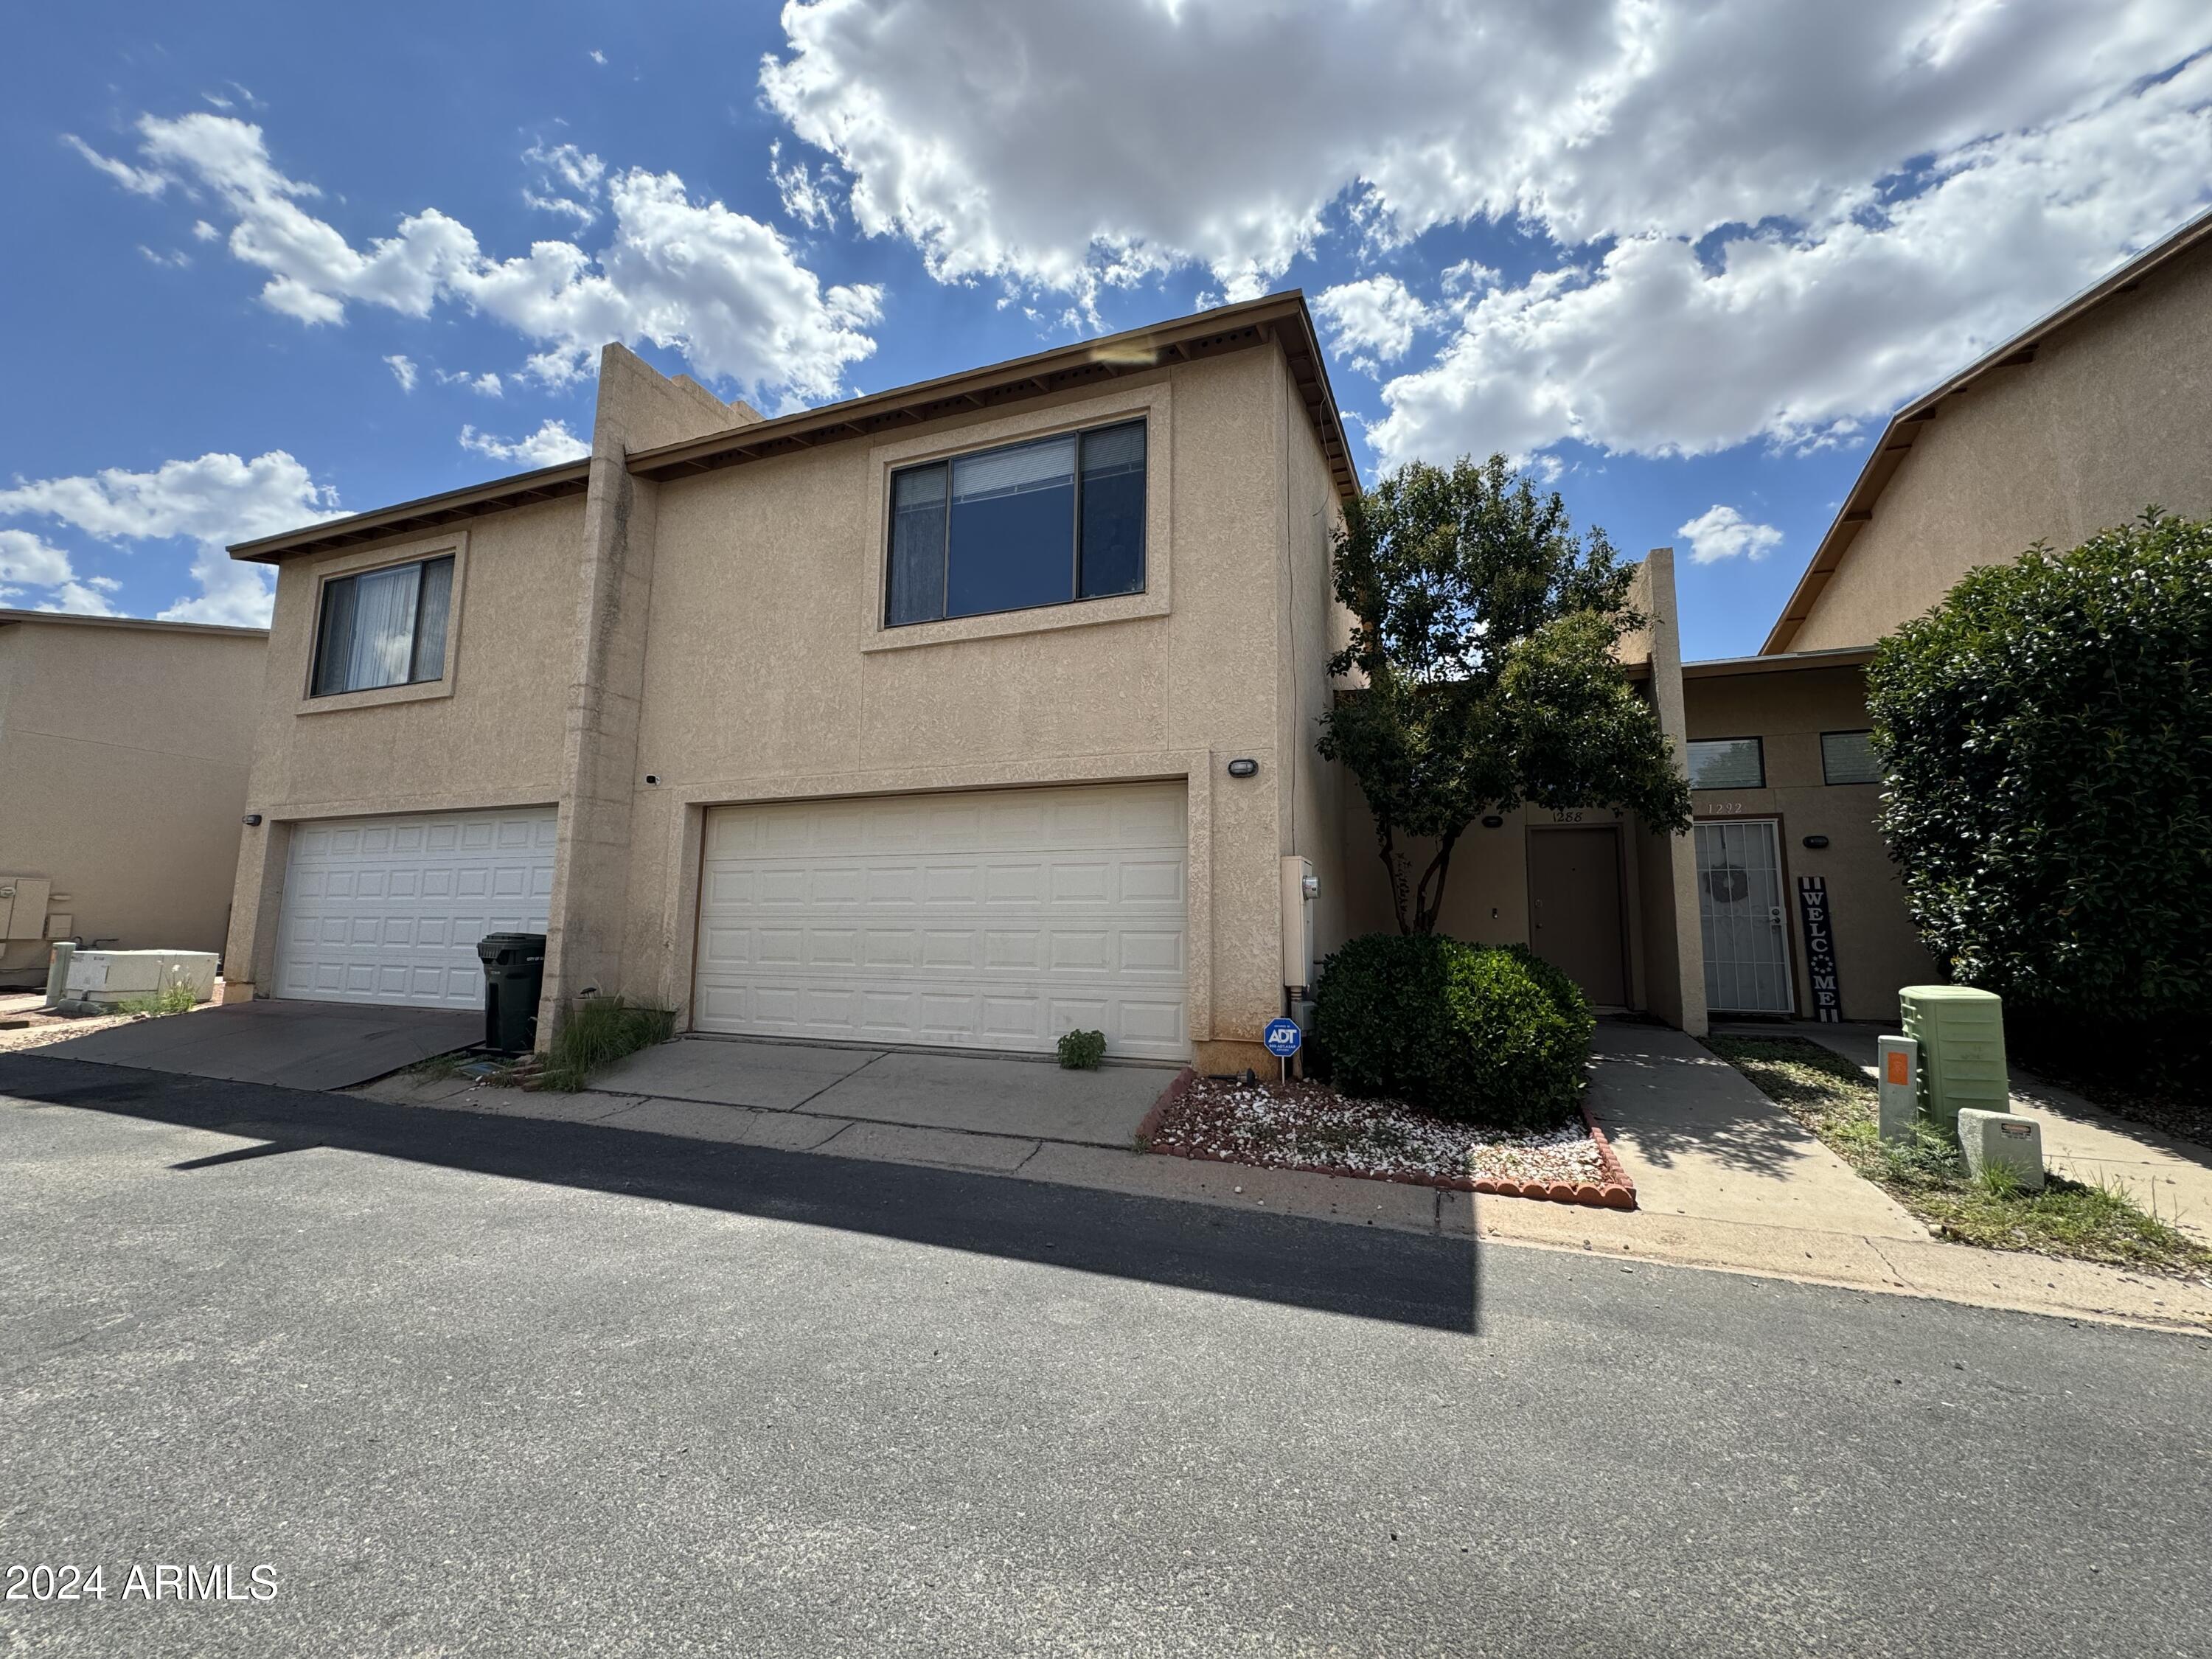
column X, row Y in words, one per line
column 1310, row 1125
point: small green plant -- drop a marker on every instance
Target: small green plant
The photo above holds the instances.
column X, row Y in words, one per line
column 1491, row 1034
column 1081, row 1051
column 599, row 1033
column 177, row 997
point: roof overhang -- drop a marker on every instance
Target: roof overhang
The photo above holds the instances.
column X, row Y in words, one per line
column 142, row 624
column 1279, row 318
column 1714, row 668
column 1906, row 426
column 430, row 512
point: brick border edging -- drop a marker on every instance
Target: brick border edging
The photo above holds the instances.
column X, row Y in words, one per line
column 1616, row 1192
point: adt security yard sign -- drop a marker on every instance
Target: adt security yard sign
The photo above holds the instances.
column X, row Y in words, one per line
column 1282, row 1038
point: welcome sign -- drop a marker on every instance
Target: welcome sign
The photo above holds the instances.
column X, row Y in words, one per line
column 1819, row 948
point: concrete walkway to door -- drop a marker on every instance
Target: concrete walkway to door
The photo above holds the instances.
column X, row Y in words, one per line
column 1007, row 1094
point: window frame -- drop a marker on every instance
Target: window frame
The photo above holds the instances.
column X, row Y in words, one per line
column 1848, row 783
column 1759, row 747
column 951, row 458
column 338, row 568
column 329, row 591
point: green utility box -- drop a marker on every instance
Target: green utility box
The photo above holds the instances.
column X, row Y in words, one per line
column 1961, row 1031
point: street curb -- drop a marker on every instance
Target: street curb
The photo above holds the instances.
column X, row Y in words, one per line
column 1616, row 1192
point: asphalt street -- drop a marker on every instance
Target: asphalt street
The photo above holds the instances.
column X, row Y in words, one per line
column 467, row 1384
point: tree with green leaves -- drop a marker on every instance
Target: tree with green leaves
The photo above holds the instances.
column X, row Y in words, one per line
column 2046, row 737
column 1485, row 631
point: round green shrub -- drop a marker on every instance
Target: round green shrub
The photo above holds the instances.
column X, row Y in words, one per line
column 1485, row 1033
column 2047, row 736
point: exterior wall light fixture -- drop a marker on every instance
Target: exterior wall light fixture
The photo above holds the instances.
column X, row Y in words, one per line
column 1816, row 842
column 253, row 819
column 1493, row 822
column 1242, row 767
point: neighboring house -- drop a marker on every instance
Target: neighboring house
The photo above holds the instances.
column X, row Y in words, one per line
column 906, row 719
column 2073, row 426
column 124, row 750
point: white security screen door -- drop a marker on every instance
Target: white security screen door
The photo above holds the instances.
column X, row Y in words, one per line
column 390, row 909
column 1740, row 912
column 1000, row 919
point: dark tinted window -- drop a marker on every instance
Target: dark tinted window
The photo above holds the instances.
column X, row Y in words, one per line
column 1009, row 529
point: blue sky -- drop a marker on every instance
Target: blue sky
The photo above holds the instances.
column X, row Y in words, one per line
column 1682, row 260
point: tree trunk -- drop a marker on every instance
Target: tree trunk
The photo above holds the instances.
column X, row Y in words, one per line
column 1427, row 904
column 1387, row 846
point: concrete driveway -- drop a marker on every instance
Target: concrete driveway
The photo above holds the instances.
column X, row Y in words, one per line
column 288, row 1045
column 973, row 1094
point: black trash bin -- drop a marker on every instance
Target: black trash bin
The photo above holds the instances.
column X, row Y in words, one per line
column 514, row 973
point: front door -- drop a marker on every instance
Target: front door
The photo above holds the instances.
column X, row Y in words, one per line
column 1574, row 908
column 1741, row 914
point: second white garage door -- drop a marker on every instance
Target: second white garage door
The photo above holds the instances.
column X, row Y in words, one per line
column 390, row 909
column 996, row 920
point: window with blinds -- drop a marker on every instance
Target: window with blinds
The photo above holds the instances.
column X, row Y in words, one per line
column 1727, row 763
column 1848, row 757
column 384, row 627
column 1047, row 522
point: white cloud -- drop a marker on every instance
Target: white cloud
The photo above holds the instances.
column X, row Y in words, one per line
column 720, row 287
column 486, row 385
column 203, row 231
column 25, row 558
column 403, row 369
column 1373, row 320
column 175, row 259
column 1797, row 337
column 596, row 56
column 140, row 181
column 213, row 501
column 550, row 445
column 805, row 197
column 962, row 122
column 564, row 168
column 1722, row 532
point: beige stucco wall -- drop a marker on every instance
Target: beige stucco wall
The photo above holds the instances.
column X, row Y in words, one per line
column 492, row 736
column 124, row 751
column 764, row 673
column 2108, row 419
column 768, row 677
column 1877, row 949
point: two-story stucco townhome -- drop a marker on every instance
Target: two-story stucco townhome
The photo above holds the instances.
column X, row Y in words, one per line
column 965, row 713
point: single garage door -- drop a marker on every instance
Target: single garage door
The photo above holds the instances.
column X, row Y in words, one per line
column 995, row 920
column 390, row 909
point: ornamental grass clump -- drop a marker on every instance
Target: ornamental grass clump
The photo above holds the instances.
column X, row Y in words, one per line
column 1489, row 1034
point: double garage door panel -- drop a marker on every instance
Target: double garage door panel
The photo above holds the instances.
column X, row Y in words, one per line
column 996, row 920
column 390, row 909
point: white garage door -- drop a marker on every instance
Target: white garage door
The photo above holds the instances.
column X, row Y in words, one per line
column 996, row 920
column 390, row 909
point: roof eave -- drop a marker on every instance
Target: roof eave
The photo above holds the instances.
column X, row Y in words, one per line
column 1898, row 437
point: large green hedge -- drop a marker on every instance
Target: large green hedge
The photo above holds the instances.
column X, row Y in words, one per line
column 1488, row 1034
column 2047, row 735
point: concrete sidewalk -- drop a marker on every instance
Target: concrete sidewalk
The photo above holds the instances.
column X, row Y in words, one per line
column 2170, row 1177
column 1724, row 1205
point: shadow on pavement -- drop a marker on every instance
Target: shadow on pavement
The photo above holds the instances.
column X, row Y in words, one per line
column 1367, row 1272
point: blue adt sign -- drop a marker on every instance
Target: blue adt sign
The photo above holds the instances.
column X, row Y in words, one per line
column 1282, row 1038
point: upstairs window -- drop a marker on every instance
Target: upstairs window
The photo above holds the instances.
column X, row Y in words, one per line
column 1047, row 522
column 384, row 627
column 1727, row 763
column 1848, row 757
